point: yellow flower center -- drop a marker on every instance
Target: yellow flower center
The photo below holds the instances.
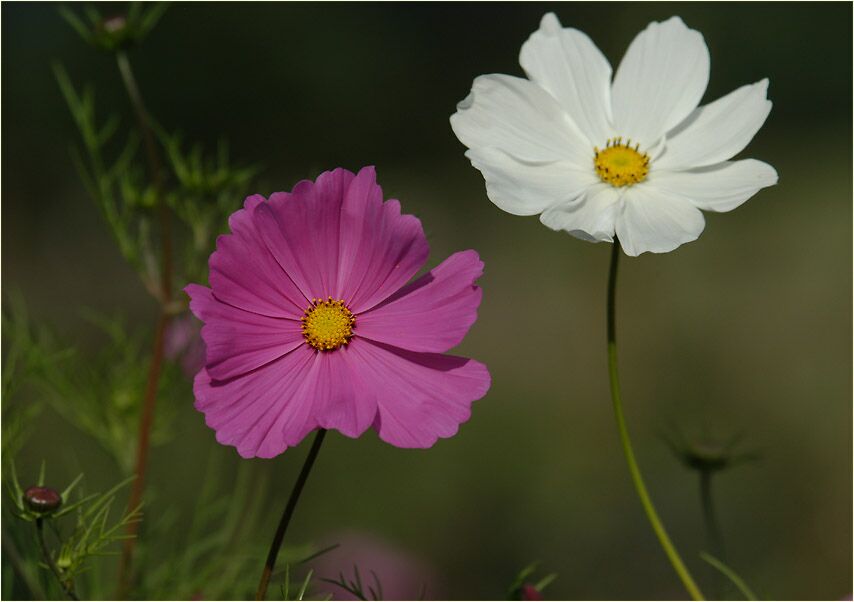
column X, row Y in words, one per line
column 618, row 164
column 328, row 324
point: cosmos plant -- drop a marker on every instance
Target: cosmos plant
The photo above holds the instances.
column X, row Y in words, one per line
column 630, row 161
column 310, row 325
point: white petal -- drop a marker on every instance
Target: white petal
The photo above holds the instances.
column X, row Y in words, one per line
column 656, row 221
column 660, row 81
column 567, row 64
column 717, row 131
column 590, row 217
column 528, row 188
column 520, row 118
column 721, row 187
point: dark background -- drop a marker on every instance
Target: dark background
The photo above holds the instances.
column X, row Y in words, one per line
column 746, row 330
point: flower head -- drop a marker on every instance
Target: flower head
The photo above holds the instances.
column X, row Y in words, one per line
column 634, row 157
column 309, row 322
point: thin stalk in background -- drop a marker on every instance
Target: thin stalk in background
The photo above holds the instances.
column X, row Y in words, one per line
column 270, row 564
column 714, row 537
column 634, row 469
column 67, row 587
column 150, row 400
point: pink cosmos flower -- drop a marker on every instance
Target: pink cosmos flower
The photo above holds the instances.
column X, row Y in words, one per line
column 308, row 323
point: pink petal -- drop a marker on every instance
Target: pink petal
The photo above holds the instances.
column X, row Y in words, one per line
column 238, row 341
column 344, row 401
column 433, row 313
column 264, row 412
column 420, row 396
column 380, row 248
column 245, row 275
column 301, row 231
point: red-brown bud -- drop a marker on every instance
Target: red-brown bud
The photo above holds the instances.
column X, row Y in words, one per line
column 529, row 592
column 42, row 500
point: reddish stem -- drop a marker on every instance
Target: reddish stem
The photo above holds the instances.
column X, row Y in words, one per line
column 144, row 437
column 149, row 403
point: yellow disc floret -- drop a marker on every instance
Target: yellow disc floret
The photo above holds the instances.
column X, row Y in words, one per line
column 328, row 324
column 619, row 164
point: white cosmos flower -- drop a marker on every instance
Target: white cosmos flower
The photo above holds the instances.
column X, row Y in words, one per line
column 635, row 156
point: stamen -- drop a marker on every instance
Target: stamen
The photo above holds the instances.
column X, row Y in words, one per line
column 618, row 164
column 328, row 324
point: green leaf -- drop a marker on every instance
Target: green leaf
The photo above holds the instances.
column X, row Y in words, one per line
column 305, row 583
column 70, row 487
column 731, row 575
column 40, row 482
column 151, row 17
column 74, row 21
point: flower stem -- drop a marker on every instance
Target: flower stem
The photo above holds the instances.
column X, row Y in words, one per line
column 637, row 479
column 67, row 587
column 286, row 516
column 714, row 538
column 713, row 530
column 164, row 296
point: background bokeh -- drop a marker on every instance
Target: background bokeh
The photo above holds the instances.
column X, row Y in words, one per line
column 747, row 330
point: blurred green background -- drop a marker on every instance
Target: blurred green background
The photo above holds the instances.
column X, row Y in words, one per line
column 746, row 330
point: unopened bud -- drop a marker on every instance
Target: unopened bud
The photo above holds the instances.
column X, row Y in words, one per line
column 706, row 454
column 529, row 592
column 42, row 499
column 114, row 24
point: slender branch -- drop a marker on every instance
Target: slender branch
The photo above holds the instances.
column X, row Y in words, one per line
column 286, row 516
column 634, row 469
column 155, row 171
column 66, row 585
column 165, row 294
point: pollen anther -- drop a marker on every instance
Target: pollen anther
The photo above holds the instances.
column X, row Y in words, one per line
column 620, row 164
column 328, row 324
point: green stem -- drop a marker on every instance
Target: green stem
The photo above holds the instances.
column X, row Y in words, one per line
column 66, row 585
column 286, row 516
column 637, row 479
column 713, row 530
column 714, row 539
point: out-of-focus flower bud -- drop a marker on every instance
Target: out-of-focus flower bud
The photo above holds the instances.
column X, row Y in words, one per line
column 42, row 500
column 114, row 24
column 706, row 454
column 529, row 592
column 116, row 32
column 184, row 344
column 524, row 588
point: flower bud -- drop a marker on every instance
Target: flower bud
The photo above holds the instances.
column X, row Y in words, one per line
column 707, row 454
column 114, row 24
column 42, row 500
column 529, row 592
column 113, row 33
